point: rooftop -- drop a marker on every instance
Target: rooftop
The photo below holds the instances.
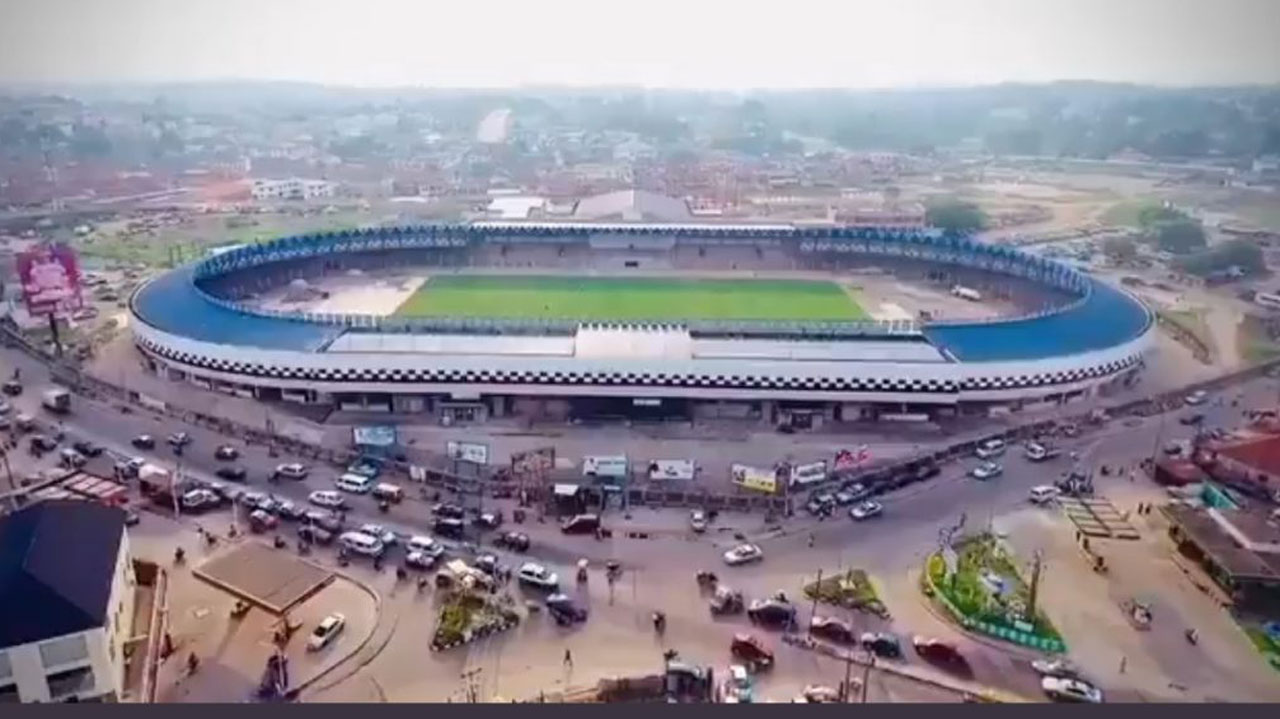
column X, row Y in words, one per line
column 57, row 560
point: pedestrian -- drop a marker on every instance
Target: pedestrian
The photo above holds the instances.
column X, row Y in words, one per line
column 568, row 658
column 1124, row 661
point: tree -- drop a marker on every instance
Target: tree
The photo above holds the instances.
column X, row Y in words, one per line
column 1180, row 236
column 1242, row 254
column 955, row 216
column 1120, row 249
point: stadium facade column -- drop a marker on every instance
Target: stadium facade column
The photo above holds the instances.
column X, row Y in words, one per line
column 498, row 406
column 768, row 411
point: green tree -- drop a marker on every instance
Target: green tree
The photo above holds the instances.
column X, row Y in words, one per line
column 1180, row 236
column 1120, row 249
column 1234, row 253
column 955, row 216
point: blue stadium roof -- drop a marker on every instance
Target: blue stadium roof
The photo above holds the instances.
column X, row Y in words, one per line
column 1107, row 318
column 171, row 303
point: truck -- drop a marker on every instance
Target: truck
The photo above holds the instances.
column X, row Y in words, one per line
column 57, row 401
column 156, row 483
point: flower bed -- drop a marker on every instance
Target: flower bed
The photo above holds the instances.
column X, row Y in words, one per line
column 852, row 590
column 469, row 617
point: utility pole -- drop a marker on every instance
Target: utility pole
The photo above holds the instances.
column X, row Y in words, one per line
column 1034, row 592
column 866, row 676
column 473, row 691
column 817, row 587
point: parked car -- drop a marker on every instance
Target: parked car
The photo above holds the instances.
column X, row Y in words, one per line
column 772, row 612
column 1196, row 398
column 832, row 629
column 1056, row 668
column 881, row 644
column 377, row 531
column 226, row 453
column 231, row 474
column 743, row 554
column 515, row 541
column 87, row 448
column 1066, row 689
column 990, row 448
column 315, row 534
column 449, row 527
column 289, row 511
column 326, row 631
column 851, row 493
column 820, row 505
column 291, row 470
column 419, row 560
column 262, row 521
column 144, row 441
column 536, row 575
column 327, row 498
column 451, row 511
column 198, row 500
column 580, row 524
column 866, row 510
column 986, row 470
column 698, row 521
column 129, row 468
column 938, row 651
column 751, row 651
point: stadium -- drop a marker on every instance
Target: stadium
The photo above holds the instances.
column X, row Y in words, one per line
column 562, row 320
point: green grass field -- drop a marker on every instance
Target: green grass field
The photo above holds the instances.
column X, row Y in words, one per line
column 629, row 299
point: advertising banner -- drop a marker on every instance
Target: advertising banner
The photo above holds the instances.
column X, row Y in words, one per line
column 672, row 469
column 754, row 478
column 609, row 467
column 847, row 459
column 533, row 462
column 473, row 452
column 811, row 473
column 381, row 436
column 50, row 277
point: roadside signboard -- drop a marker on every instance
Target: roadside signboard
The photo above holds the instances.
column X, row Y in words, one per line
column 473, row 452
column 380, row 436
column 806, row 474
column 610, row 467
column 417, row 473
column 847, row 459
column 754, row 478
column 672, row 469
column 50, row 277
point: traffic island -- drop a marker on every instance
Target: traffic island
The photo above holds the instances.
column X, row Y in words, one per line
column 977, row 582
column 851, row 589
column 468, row 616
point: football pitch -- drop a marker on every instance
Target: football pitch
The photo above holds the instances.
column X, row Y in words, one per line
column 652, row 298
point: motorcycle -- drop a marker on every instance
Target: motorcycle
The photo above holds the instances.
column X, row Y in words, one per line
column 1192, row 636
column 179, row 556
column 706, row 579
column 384, row 506
column 659, row 622
column 582, row 570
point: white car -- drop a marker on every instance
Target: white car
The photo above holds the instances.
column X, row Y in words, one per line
column 426, row 546
column 698, row 521
column 327, row 498
column 326, row 631
column 990, row 448
column 866, row 510
column 387, row 536
column 1197, row 397
column 292, row 470
column 986, row 470
column 1064, row 689
column 743, row 554
column 537, row 575
column 1055, row 668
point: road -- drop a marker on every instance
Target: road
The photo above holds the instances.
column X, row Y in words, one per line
column 658, row 572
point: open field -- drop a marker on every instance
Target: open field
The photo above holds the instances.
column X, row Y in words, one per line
column 630, row 299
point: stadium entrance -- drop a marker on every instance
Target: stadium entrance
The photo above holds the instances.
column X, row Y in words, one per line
column 636, row 409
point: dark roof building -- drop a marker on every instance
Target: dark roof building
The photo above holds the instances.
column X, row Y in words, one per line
column 57, row 562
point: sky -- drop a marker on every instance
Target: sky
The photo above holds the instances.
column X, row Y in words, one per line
column 657, row 43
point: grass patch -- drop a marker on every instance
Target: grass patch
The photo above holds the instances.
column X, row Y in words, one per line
column 1266, row 646
column 630, row 299
column 1193, row 323
column 968, row 589
column 851, row 589
column 1254, row 343
column 1125, row 214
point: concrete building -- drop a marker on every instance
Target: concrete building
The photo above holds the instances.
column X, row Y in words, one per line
column 66, row 603
column 291, row 189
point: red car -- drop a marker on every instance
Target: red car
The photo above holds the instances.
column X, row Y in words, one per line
column 751, row 651
column 938, row 651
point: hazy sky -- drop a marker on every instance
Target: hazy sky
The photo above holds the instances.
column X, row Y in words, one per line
column 675, row 43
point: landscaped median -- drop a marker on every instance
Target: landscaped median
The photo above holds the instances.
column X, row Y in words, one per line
column 851, row 589
column 983, row 591
column 468, row 616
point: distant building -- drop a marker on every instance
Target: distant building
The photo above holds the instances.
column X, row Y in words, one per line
column 66, row 602
column 291, row 189
column 1267, row 164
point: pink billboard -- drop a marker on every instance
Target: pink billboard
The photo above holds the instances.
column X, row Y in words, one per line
column 50, row 276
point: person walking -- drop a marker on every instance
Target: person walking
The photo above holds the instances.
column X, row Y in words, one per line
column 568, row 658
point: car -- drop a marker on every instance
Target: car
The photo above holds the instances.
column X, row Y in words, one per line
column 489, row 520
column 131, row 518
column 365, row 467
column 252, row 499
column 743, row 554
column 1056, row 668
column 291, row 470
column 487, row 563
column 231, row 474
column 820, row 505
column 1192, row 419
column 24, row 422
column 87, row 448
column 262, row 521
column 564, row 610
column 1066, row 689
column 327, row 498
column 419, row 560
column 1196, row 398
column 832, row 629
column 129, row 468
column 580, row 524
column 881, row 644
column 536, row 575
column 13, row 388
column 426, row 546
column 1173, row 448
column 198, row 500
column 515, row 541
column 850, row 494
column 144, row 441
column 314, row 534
column 179, row 439
column 866, row 510
column 289, row 511
column 698, row 521
column 986, row 470
column 450, row 511
column 1037, row 452
column 937, row 651
column 751, row 651
column 5, row 407
column 772, row 612
column 990, row 448
column 226, row 453
column 71, row 458
column 449, row 527
column 380, row 532
column 326, row 631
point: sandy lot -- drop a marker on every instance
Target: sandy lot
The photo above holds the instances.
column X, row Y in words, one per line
column 354, row 294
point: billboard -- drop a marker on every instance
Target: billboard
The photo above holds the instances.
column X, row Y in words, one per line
column 50, row 277
column 847, row 459
column 472, row 452
column 610, row 467
column 677, row 469
column 811, row 473
column 381, row 436
column 754, row 478
column 535, row 462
